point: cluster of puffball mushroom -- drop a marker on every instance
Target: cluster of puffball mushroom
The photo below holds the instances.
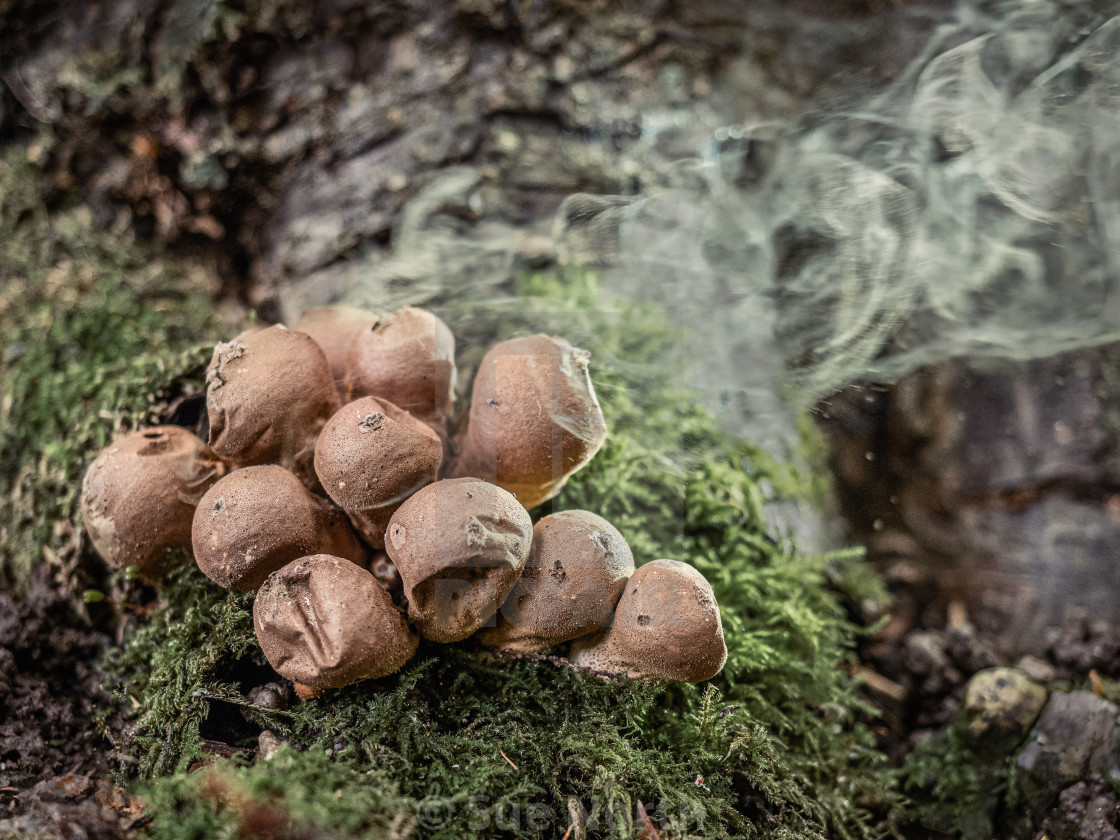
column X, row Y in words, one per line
column 336, row 487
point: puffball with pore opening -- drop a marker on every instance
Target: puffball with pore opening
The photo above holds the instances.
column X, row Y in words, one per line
column 534, row 418
column 666, row 626
column 139, row 496
column 268, row 394
column 257, row 519
column 459, row 546
column 370, row 457
column 324, row 622
column 408, row 358
column 578, row 565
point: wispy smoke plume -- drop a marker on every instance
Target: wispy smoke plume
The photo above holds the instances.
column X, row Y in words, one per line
column 971, row 207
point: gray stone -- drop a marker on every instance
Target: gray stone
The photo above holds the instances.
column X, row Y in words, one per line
column 1077, row 736
column 1000, row 704
column 268, row 745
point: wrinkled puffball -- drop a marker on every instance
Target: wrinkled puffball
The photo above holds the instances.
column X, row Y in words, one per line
column 268, row 394
column 333, row 328
column 324, row 622
column 534, row 418
column 666, row 626
column 408, row 358
column 459, row 546
column 578, row 565
column 257, row 519
column 139, row 496
column 370, row 457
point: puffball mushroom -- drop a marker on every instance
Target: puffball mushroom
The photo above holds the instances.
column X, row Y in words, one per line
column 370, row 457
column 268, row 394
column 333, row 328
column 459, row 546
column 408, row 358
column 534, row 418
column 257, row 519
column 666, row 626
column 139, row 496
column 577, row 568
column 324, row 622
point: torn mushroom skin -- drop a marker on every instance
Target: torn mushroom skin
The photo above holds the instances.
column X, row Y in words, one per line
column 257, row 519
column 534, row 418
column 459, row 546
column 370, row 457
column 334, row 328
column 666, row 626
column 578, row 565
column 324, row 622
column 139, row 496
column 268, row 394
column 408, row 358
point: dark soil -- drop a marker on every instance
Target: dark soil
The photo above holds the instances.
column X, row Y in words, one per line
column 54, row 752
column 49, row 688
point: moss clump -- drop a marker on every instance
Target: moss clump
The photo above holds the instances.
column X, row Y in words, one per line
column 463, row 744
column 96, row 335
column 956, row 785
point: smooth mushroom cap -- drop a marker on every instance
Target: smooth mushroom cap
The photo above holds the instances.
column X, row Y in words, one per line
column 257, row 519
column 268, row 394
column 408, row 358
column 577, row 568
column 324, row 622
column 666, row 626
column 459, row 546
column 532, row 401
column 139, row 496
column 334, row 328
column 370, row 457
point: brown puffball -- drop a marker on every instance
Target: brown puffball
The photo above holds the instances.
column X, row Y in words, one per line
column 459, row 546
column 257, row 519
column 408, row 358
column 666, row 626
column 324, row 622
column 534, row 418
column 333, row 328
column 268, row 394
column 139, row 496
column 370, row 457
column 578, row 565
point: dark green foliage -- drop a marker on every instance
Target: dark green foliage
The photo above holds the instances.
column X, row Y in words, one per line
column 957, row 787
column 95, row 335
column 773, row 747
column 179, row 683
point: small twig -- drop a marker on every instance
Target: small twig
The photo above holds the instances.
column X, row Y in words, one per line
column 884, row 685
column 651, row 832
column 506, row 757
column 575, row 812
column 1095, row 683
column 567, row 833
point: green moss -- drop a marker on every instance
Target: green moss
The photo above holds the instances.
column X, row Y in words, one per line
column 956, row 787
column 97, row 333
column 463, row 744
